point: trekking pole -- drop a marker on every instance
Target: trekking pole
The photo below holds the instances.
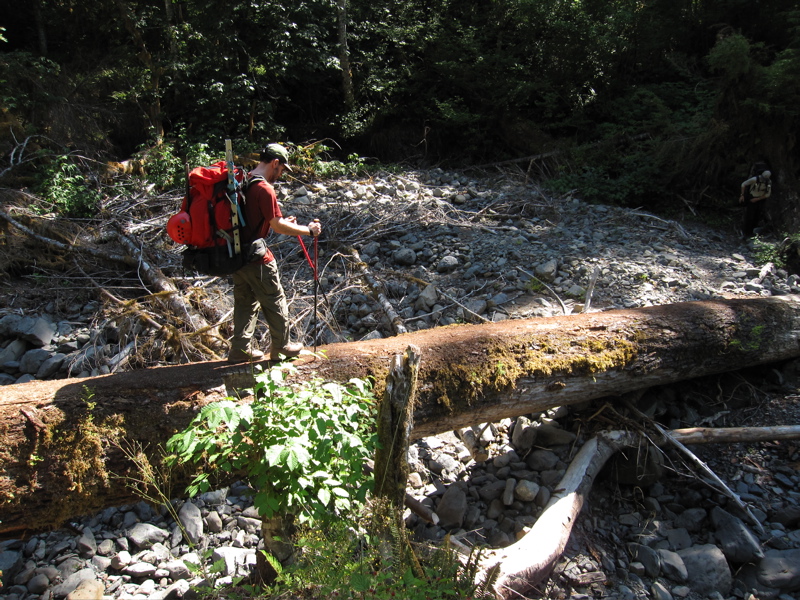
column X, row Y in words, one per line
column 313, row 264
column 316, row 286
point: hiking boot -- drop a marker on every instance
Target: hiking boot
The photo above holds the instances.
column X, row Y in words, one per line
column 290, row 350
column 240, row 356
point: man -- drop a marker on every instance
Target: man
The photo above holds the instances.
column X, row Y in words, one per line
column 754, row 191
column 258, row 282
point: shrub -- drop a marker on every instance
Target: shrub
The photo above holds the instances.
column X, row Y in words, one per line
column 303, row 447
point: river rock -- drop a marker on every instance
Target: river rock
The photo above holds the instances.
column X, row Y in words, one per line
column 707, row 570
column 735, row 539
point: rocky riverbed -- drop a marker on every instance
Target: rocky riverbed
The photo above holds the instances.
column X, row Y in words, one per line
column 450, row 248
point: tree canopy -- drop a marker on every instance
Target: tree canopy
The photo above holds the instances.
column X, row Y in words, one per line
column 642, row 102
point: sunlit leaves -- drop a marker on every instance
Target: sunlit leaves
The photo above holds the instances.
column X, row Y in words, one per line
column 303, row 446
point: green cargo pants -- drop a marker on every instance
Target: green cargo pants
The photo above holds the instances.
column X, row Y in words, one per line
column 257, row 285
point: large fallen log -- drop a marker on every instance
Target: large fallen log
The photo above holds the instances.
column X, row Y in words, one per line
column 58, row 459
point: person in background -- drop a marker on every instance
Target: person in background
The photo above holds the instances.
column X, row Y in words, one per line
column 754, row 192
column 257, row 284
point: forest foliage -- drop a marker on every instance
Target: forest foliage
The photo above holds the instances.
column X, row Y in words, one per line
column 645, row 103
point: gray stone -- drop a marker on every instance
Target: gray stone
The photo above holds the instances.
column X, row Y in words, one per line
column 524, row 435
column 452, row 507
column 178, row 570
column 526, row 491
column 647, row 556
column 213, row 522
column 475, row 306
column 192, row 520
column 144, row 535
column 735, row 539
column 214, row 498
column 404, row 257
column 547, row 270
column 121, row 560
column 678, row 539
column 691, row 519
column 747, row 582
column 659, row 591
column 86, row 545
column 672, row 566
column 551, row 477
column 427, row 297
column 232, row 557
column 249, row 524
column 72, row 582
column 105, row 548
column 491, row 490
column 32, row 360
column 447, row 264
column 101, row 563
column 788, row 516
column 175, row 591
column 51, row 366
column 11, row 562
column 707, row 569
column 140, row 570
column 38, row 584
column 13, row 352
column 36, row 330
column 542, row 460
column 550, row 435
column 508, row 493
column 9, row 325
column 780, row 569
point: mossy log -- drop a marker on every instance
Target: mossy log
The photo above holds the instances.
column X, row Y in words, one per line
column 59, row 454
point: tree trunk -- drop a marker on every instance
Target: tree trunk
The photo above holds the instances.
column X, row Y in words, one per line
column 58, row 459
column 394, row 427
column 344, row 54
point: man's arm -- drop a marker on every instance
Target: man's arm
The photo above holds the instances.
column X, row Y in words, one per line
column 289, row 226
column 745, row 184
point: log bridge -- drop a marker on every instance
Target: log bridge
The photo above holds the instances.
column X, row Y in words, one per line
column 61, row 456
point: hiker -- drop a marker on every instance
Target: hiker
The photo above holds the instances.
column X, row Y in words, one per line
column 754, row 191
column 258, row 282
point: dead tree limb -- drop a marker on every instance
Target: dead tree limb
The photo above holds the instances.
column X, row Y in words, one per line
column 523, row 566
column 376, row 290
column 733, row 435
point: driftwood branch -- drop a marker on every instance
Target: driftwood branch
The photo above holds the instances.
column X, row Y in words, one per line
column 525, row 565
column 376, row 290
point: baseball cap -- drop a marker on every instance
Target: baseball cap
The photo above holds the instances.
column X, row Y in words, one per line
column 273, row 151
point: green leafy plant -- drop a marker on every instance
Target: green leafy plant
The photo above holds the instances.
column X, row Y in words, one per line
column 314, row 158
column 302, row 446
column 66, row 187
column 345, row 560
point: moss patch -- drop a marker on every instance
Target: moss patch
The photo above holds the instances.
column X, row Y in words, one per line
column 496, row 365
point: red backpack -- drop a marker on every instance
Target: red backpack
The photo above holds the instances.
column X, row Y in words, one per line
column 210, row 220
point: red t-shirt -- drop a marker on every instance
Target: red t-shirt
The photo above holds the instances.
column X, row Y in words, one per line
column 261, row 206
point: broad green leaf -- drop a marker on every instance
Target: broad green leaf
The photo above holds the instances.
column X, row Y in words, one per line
column 360, row 582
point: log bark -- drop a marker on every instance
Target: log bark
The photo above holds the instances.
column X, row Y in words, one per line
column 57, row 459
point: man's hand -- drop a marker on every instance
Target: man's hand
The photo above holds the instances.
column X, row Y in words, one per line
column 315, row 227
